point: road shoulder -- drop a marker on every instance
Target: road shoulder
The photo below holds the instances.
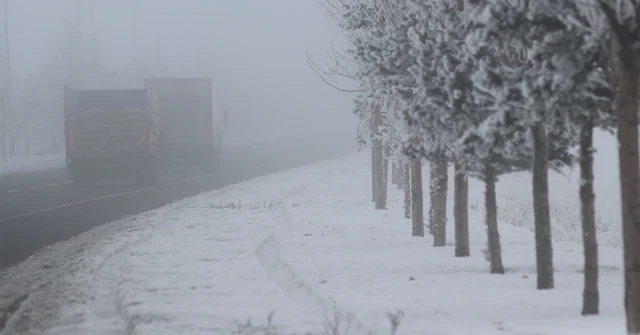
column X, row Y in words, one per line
column 63, row 282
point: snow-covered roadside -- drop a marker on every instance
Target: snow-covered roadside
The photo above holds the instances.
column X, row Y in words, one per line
column 293, row 241
column 369, row 264
column 22, row 164
column 63, row 282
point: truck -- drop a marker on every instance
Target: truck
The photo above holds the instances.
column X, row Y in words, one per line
column 191, row 120
column 111, row 134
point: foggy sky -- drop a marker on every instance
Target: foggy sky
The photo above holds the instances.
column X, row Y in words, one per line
column 257, row 47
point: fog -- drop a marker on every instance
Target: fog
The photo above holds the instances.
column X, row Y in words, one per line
column 255, row 49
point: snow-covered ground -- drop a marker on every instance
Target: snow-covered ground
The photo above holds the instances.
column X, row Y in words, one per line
column 21, row 164
column 307, row 244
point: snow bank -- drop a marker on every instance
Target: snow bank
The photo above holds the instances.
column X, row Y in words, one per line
column 307, row 244
column 21, row 164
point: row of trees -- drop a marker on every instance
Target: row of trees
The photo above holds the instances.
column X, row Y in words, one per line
column 494, row 87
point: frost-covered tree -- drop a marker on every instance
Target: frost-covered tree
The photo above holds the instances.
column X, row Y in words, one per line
column 497, row 145
column 529, row 88
column 394, row 134
column 490, row 150
column 623, row 17
column 423, row 113
column 581, row 55
column 494, row 146
column 383, row 51
column 380, row 152
column 369, row 104
column 390, row 66
column 444, row 106
column 374, row 31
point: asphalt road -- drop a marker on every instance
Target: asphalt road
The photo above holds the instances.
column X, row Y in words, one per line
column 43, row 208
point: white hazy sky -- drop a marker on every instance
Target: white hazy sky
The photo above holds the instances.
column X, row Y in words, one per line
column 258, row 50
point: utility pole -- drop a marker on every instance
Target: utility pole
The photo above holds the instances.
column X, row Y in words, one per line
column 5, row 76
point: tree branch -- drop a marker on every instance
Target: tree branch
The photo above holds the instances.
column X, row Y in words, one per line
column 322, row 74
column 618, row 29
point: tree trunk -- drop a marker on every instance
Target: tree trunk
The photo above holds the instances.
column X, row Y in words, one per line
column 625, row 74
column 544, row 247
column 384, row 182
column 493, row 236
column 417, row 214
column 373, row 172
column 461, row 212
column 400, row 172
column 433, row 191
column 590, row 296
column 394, row 173
column 439, row 204
column 382, row 162
column 381, row 178
column 406, row 178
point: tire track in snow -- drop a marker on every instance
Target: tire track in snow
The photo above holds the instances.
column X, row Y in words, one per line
column 269, row 255
column 107, row 304
column 107, row 307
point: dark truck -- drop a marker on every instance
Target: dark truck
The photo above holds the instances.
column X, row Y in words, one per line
column 191, row 120
column 111, row 134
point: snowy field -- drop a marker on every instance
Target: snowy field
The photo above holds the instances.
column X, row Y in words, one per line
column 307, row 244
column 21, row 164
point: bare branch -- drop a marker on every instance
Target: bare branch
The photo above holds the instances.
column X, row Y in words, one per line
column 321, row 74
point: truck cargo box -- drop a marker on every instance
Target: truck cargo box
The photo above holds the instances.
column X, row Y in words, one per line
column 190, row 118
column 111, row 133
